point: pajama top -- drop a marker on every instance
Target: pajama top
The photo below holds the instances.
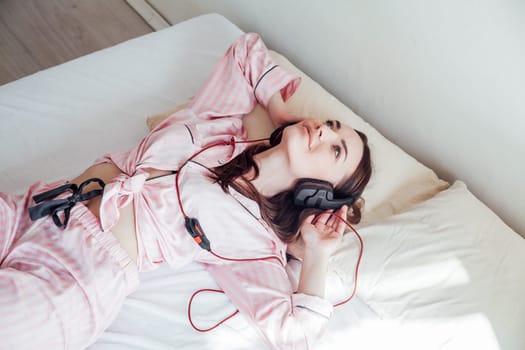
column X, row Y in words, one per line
column 260, row 289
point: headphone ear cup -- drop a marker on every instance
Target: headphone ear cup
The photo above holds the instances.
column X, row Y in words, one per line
column 277, row 134
column 312, row 193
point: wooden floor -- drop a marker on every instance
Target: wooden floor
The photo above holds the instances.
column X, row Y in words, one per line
column 37, row 34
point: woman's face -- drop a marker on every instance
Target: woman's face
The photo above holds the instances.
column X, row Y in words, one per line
column 328, row 151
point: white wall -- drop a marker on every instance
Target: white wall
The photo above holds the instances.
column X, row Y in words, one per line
column 445, row 79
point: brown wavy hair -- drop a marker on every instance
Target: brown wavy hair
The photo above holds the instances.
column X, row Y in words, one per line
column 279, row 210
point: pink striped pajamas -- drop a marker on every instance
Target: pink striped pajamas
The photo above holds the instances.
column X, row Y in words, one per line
column 260, row 289
column 58, row 288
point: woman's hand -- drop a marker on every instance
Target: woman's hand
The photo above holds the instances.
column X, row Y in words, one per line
column 323, row 233
column 278, row 111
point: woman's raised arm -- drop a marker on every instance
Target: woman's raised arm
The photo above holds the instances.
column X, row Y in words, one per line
column 244, row 76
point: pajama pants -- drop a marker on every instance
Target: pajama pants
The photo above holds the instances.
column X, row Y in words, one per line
column 59, row 288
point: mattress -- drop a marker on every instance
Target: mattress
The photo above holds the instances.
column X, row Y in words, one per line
column 440, row 270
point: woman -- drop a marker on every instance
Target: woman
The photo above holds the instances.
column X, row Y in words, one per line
column 66, row 268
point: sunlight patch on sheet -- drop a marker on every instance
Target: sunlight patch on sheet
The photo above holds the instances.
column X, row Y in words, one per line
column 464, row 332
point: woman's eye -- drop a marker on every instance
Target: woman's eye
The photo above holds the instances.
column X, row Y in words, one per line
column 330, row 124
column 337, row 151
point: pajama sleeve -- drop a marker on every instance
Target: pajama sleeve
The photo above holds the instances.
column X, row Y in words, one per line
column 244, row 76
column 262, row 292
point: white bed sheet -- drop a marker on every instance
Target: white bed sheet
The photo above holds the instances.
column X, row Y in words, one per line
column 49, row 119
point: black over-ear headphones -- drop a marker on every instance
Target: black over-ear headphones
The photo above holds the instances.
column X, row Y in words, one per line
column 312, row 193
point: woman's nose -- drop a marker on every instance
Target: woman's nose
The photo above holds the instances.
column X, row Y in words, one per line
column 324, row 131
column 318, row 125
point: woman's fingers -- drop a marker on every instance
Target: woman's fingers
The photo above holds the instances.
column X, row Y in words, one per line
column 342, row 213
column 329, row 222
column 334, row 219
column 309, row 219
column 323, row 217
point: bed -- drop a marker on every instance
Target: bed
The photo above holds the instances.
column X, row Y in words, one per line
column 440, row 270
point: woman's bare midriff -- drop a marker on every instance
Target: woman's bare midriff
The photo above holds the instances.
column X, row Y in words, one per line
column 124, row 230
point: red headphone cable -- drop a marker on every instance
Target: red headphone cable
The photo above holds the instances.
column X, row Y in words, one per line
column 198, row 235
column 203, row 330
column 358, row 263
column 352, row 295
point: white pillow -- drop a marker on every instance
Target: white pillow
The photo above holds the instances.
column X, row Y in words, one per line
column 398, row 181
column 449, row 271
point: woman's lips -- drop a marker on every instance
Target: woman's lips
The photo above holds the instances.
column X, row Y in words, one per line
column 309, row 134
